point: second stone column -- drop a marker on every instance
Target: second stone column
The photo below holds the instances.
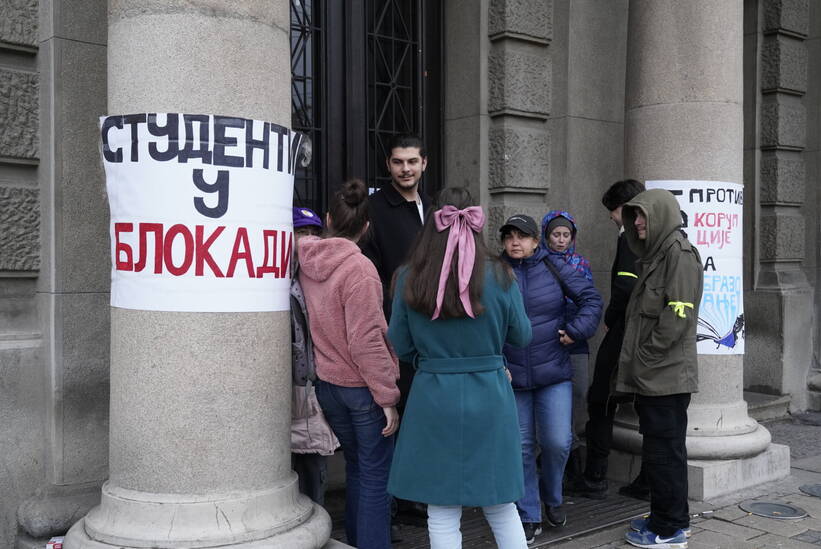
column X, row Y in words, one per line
column 200, row 402
column 684, row 121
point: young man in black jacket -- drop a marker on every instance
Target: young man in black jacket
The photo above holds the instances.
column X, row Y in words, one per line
column 397, row 211
column 601, row 405
column 396, row 214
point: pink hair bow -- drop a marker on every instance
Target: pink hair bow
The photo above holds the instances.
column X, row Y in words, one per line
column 462, row 224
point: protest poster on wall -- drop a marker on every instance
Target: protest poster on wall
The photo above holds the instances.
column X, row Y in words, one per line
column 712, row 212
column 200, row 211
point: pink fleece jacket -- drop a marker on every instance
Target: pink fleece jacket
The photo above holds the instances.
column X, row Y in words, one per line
column 344, row 298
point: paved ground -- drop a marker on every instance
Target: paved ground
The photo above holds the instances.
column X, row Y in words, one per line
column 725, row 526
column 720, row 523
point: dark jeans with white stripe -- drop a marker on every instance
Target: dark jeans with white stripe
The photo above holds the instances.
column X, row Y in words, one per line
column 663, row 423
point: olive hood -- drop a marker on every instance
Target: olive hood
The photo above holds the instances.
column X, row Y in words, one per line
column 663, row 215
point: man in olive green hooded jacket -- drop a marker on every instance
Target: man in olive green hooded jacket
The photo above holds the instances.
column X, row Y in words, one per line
column 658, row 360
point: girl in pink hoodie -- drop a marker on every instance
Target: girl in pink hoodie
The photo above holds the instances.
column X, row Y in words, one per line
column 356, row 368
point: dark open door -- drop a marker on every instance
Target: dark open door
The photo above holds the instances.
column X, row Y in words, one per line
column 363, row 71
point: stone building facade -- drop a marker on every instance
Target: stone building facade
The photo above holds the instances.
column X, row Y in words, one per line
column 533, row 118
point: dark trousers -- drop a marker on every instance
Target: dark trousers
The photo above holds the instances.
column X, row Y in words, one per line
column 601, row 407
column 406, row 373
column 313, row 475
column 663, row 424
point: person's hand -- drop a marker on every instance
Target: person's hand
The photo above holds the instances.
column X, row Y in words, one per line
column 565, row 339
column 606, row 327
column 509, row 375
column 392, row 418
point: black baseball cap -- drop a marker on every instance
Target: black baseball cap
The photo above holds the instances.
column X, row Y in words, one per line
column 523, row 223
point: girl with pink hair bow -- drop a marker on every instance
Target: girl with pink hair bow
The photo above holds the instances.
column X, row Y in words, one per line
column 454, row 308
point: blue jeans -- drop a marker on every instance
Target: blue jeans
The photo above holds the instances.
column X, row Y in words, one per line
column 544, row 420
column 357, row 422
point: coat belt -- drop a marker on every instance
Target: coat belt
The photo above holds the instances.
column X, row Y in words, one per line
column 462, row 365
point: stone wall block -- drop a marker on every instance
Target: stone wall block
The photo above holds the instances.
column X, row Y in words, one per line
column 80, row 205
column 84, row 406
column 782, row 179
column 42, row 517
column 783, row 125
column 19, row 114
column 528, row 18
column 21, row 430
column 518, row 158
column 85, row 21
column 782, row 237
column 784, row 64
column 18, row 22
column 19, row 229
column 519, row 81
column 787, row 15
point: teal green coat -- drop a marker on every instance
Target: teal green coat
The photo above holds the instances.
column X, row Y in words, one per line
column 459, row 439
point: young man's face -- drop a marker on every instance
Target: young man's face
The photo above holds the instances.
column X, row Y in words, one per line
column 406, row 165
column 641, row 225
column 615, row 217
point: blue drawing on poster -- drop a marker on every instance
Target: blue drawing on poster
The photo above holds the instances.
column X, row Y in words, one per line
column 721, row 314
column 729, row 340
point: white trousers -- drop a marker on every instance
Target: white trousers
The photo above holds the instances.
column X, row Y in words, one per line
column 444, row 523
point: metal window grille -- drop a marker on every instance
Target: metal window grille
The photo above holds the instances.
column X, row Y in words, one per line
column 394, row 102
column 359, row 77
column 307, row 96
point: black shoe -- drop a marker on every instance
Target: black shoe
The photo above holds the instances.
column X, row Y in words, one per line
column 635, row 490
column 412, row 508
column 555, row 517
column 411, row 513
column 532, row 529
column 396, row 533
column 573, row 469
column 584, row 487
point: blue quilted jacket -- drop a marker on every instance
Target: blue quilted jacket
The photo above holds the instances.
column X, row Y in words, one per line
column 546, row 361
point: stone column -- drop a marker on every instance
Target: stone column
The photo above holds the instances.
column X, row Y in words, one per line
column 199, row 450
column 684, row 120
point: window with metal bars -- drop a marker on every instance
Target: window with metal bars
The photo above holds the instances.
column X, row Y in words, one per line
column 362, row 72
column 306, row 96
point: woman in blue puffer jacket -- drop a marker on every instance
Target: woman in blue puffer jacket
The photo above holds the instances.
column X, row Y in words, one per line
column 559, row 232
column 541, row 372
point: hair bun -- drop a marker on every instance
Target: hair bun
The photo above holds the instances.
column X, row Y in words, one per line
column 354, row 192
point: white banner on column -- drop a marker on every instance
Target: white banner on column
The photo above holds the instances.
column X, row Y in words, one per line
column 712, row 213
column 200, row 211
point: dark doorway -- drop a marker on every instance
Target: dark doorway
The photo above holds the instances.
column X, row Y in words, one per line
column 362, row 72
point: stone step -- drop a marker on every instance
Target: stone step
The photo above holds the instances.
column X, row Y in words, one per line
column 27, row 542
column 762, row 407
